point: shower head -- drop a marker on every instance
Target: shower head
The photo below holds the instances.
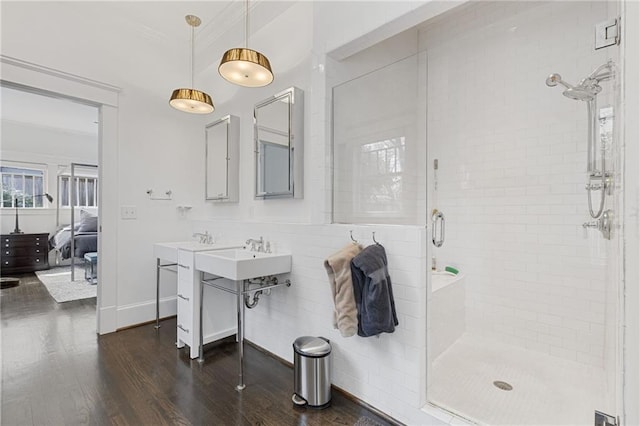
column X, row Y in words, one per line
column 588, row 87
column 585, row 91
column 579, row 94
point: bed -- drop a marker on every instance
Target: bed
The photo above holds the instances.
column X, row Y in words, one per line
column 85, row 238
column 84, row 242
column 73, row 242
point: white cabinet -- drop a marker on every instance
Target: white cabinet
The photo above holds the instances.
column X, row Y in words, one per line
column 219, row 308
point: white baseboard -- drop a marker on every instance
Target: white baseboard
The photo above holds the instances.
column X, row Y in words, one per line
column 138, row 313
column 107, row 320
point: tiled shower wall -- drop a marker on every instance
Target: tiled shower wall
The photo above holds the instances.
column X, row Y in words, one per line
column 378, row 170
column 378, row 100
column 512, row 160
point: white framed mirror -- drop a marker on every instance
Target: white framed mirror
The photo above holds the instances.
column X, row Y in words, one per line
column 279, row 145
column 221, row 159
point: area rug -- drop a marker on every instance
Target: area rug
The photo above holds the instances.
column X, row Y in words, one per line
column 62, row 289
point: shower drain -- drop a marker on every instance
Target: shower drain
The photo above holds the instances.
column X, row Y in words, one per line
column 502, row 385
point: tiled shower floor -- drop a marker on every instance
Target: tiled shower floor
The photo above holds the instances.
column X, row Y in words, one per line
column 546, row 390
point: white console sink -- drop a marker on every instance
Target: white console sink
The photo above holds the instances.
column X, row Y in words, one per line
column 241, row 264
column 169, row 251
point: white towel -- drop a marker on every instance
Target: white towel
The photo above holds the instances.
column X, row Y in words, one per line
column 338, row 266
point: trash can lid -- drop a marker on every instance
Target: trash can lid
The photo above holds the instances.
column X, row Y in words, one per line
column 314, row 346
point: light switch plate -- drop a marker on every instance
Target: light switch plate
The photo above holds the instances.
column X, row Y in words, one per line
column 128, row 212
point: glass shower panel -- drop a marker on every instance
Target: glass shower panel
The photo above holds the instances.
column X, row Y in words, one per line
column 535, row 287
column 377, row 148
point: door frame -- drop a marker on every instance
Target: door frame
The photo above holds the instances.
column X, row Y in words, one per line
column 39, row 79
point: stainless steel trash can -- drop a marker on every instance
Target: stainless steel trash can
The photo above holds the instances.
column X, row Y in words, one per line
column 311, row 371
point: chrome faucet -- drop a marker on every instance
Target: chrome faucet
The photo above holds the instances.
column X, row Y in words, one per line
column 256, row 245
column 205, row 238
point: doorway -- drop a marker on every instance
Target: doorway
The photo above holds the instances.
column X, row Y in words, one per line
column 34, row 78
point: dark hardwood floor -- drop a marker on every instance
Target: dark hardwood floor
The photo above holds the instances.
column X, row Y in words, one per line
column 57, row 371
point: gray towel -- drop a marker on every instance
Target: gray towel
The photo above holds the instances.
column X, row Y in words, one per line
column 339, row 272
column 373, row 293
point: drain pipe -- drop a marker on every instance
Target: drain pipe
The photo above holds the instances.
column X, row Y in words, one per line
column 269, row 283
column 256, row 299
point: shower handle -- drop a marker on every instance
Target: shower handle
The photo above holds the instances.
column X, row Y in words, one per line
column 435, row 219
column 604, row 224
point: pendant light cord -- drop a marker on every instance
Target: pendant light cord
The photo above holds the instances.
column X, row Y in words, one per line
column 192, row 29
column 246, row 26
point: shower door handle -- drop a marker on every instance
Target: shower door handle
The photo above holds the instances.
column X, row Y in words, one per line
column 437, row 218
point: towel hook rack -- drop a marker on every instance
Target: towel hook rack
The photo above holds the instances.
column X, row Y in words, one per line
column 373, row 236
column 351, row 236
column 166, row 196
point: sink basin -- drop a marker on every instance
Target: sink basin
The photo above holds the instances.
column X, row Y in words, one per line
column 169, row 251
column 241, row 264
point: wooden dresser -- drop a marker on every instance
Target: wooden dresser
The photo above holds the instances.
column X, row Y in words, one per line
column 24, row 253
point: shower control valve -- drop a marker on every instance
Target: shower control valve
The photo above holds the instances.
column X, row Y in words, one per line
column 600, row 183
column 603, row 224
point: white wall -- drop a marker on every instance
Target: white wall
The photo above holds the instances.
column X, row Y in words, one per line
column 52, row 148
column 161, row 150
column 300, row 22
column 512, row 156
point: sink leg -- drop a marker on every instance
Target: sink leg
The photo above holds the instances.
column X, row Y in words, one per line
column 201, row 328
column 240, row 306
column 157, row 326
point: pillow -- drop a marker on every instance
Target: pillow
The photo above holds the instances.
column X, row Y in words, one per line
column 88, row 222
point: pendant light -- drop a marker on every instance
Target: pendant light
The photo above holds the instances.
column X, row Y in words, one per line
column 191, row 100
column 243, row 66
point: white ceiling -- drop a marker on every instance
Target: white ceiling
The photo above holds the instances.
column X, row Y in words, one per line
column 145, row 44
column 43, row 111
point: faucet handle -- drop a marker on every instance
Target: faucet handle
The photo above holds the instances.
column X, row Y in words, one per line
column 267, row 248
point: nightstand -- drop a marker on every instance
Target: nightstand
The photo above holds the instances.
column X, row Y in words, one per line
column 24, row 253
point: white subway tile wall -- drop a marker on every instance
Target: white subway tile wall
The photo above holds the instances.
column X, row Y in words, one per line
column 512, row 160
column 378, row 145
column 387, row 372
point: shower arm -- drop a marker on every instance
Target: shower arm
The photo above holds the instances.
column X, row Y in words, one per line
column 603, row 73
column 598, row 75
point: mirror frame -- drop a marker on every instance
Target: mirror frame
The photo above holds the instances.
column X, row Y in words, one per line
column 232, row 124
column 296, row 144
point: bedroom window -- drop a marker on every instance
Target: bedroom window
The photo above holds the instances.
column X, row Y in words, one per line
column 19, row 185
column 85, row 188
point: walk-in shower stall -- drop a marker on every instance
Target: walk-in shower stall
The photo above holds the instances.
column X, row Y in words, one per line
column 529, row 183
column 520, row 189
